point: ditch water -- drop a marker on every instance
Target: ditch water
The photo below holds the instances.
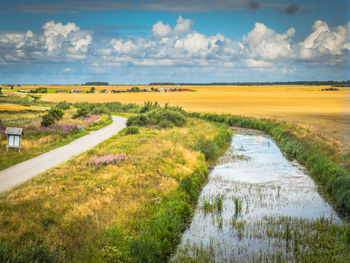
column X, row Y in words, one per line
column 253, row 195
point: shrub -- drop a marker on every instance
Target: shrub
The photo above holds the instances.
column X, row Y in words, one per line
column 147, row 106
column 347, row 235
column 81, row 112
column 163, row 117
column 135, row 89
column 131, row 130
column 41, row 90
column 56, row 113
column 63, row 105
column 159, row 238
column 208, row 148
column 37, row 252
column 47, row 120
column 102, row 109
column 138, row 120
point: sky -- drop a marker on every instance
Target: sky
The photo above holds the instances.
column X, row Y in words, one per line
column 135, row 42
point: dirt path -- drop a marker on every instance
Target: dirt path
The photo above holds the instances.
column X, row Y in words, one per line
column 27, row 169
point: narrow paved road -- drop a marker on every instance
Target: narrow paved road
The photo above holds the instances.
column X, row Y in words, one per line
column 27, row 169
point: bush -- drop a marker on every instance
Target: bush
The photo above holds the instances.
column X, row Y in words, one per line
column 162, row 117
column 347, row 235
column 131, row 130
column 208, row 148
column 63, row 105
column 159, row 238
column 56, row 113
column 47, row 120
column 41, row 90
column 147, row 106
column 100, row 110
column 37, row 252
column 135, row 89
column 81, row 112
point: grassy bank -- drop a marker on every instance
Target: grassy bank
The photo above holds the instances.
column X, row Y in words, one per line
column 126, row 200
column 326, row 165
column 37, row 139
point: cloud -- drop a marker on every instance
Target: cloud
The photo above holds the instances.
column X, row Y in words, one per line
column 264, row 43
column 159, row 29
column 324, row 43
column 262, row 48
column 182, row 26
column 291, row 9
column 55, row 42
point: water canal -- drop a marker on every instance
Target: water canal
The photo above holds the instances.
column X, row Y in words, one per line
column 257, row 207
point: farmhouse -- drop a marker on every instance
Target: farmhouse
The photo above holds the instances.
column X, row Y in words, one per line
column 118, row 91
column 330, row 89
column 107, row 91
column 76, row 91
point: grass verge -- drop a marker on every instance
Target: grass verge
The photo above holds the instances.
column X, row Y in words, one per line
column 126, row 200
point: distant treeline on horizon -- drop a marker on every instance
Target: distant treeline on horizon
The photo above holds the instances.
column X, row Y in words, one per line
column 345, row 83
column 328, row 82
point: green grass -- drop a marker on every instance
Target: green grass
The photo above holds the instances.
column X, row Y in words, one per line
column 34, row 143
column 132, row 211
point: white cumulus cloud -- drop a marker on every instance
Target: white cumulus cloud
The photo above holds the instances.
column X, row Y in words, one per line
column 55, row 42
column 323, row 42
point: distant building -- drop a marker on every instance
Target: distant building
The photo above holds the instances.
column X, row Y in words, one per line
column 330, row 89
column 76, row 91
column 107, row 91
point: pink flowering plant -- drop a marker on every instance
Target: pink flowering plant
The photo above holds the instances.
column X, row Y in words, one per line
column 98, row 161
column 92, row 118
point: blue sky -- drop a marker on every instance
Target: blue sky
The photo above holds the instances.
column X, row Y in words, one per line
column 179, row 41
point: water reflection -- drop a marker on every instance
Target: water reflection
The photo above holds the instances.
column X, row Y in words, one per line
column 257, row 186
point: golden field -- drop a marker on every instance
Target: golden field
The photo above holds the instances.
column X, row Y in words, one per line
column 10, row 107
column 325, row 113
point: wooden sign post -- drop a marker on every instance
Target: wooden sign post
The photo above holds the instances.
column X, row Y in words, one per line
column 14, row 137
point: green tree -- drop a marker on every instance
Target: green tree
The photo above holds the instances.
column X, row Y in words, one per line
column 135, row 89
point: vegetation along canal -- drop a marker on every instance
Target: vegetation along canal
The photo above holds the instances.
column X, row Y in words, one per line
column 256, row 207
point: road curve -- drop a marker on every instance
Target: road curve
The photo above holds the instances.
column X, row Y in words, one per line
column 23, row 171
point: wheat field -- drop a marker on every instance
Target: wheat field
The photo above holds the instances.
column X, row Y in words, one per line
column 12, row 107
column 325, row 113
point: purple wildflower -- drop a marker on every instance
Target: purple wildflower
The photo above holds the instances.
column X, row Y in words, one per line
column 106, row 159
